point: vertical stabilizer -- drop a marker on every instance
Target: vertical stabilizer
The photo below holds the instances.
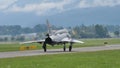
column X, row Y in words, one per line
column 49, row 27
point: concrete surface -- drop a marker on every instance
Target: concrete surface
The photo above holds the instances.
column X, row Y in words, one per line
column 56, row 51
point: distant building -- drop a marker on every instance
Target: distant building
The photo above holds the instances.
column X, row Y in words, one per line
column 21, row 37
column 30, row 36
column 5, row 37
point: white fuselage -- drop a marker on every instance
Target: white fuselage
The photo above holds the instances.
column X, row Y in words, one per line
column 59, row 35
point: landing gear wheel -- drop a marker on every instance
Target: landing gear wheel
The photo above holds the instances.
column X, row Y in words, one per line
column 70, row 48
column 44, row 47
column 64, row 48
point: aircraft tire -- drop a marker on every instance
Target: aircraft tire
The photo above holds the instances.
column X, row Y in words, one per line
column 64, row 48
column 44, row 47
column 70, row 48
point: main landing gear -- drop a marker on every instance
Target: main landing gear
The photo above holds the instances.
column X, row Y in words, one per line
column 70, row 47
column 64, row 47
column 44, row 47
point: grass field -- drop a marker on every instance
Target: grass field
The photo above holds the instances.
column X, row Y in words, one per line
column 88, row 42
column 100, row 59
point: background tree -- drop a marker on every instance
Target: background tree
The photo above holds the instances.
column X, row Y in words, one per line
column 40, row 28
column 117, row 33
column 101, row 32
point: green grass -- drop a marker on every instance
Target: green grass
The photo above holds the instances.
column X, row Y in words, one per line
column 15, row 47
column 9, row 47
column 100, row 42
column 100, row 59
column 88, row 42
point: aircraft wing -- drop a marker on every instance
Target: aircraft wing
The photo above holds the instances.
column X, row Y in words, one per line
column 71, row 40
column 35, row 41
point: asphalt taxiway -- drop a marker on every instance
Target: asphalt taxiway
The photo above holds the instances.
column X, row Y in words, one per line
column 56, row 51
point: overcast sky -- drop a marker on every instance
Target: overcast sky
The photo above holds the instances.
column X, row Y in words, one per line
column 45, row 8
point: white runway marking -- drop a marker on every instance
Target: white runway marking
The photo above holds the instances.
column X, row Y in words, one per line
column 56, row 51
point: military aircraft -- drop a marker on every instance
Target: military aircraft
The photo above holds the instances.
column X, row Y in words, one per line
column 61, row 36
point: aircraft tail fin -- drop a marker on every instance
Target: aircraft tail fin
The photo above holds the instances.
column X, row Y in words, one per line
column 49, row 27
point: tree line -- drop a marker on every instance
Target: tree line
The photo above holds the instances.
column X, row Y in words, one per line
column 81, row 31
column 17, row 29
column 96, row 31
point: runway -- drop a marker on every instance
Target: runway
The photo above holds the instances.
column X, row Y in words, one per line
column 56, row 51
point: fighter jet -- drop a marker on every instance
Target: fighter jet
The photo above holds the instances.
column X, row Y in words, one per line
column 61, row 36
